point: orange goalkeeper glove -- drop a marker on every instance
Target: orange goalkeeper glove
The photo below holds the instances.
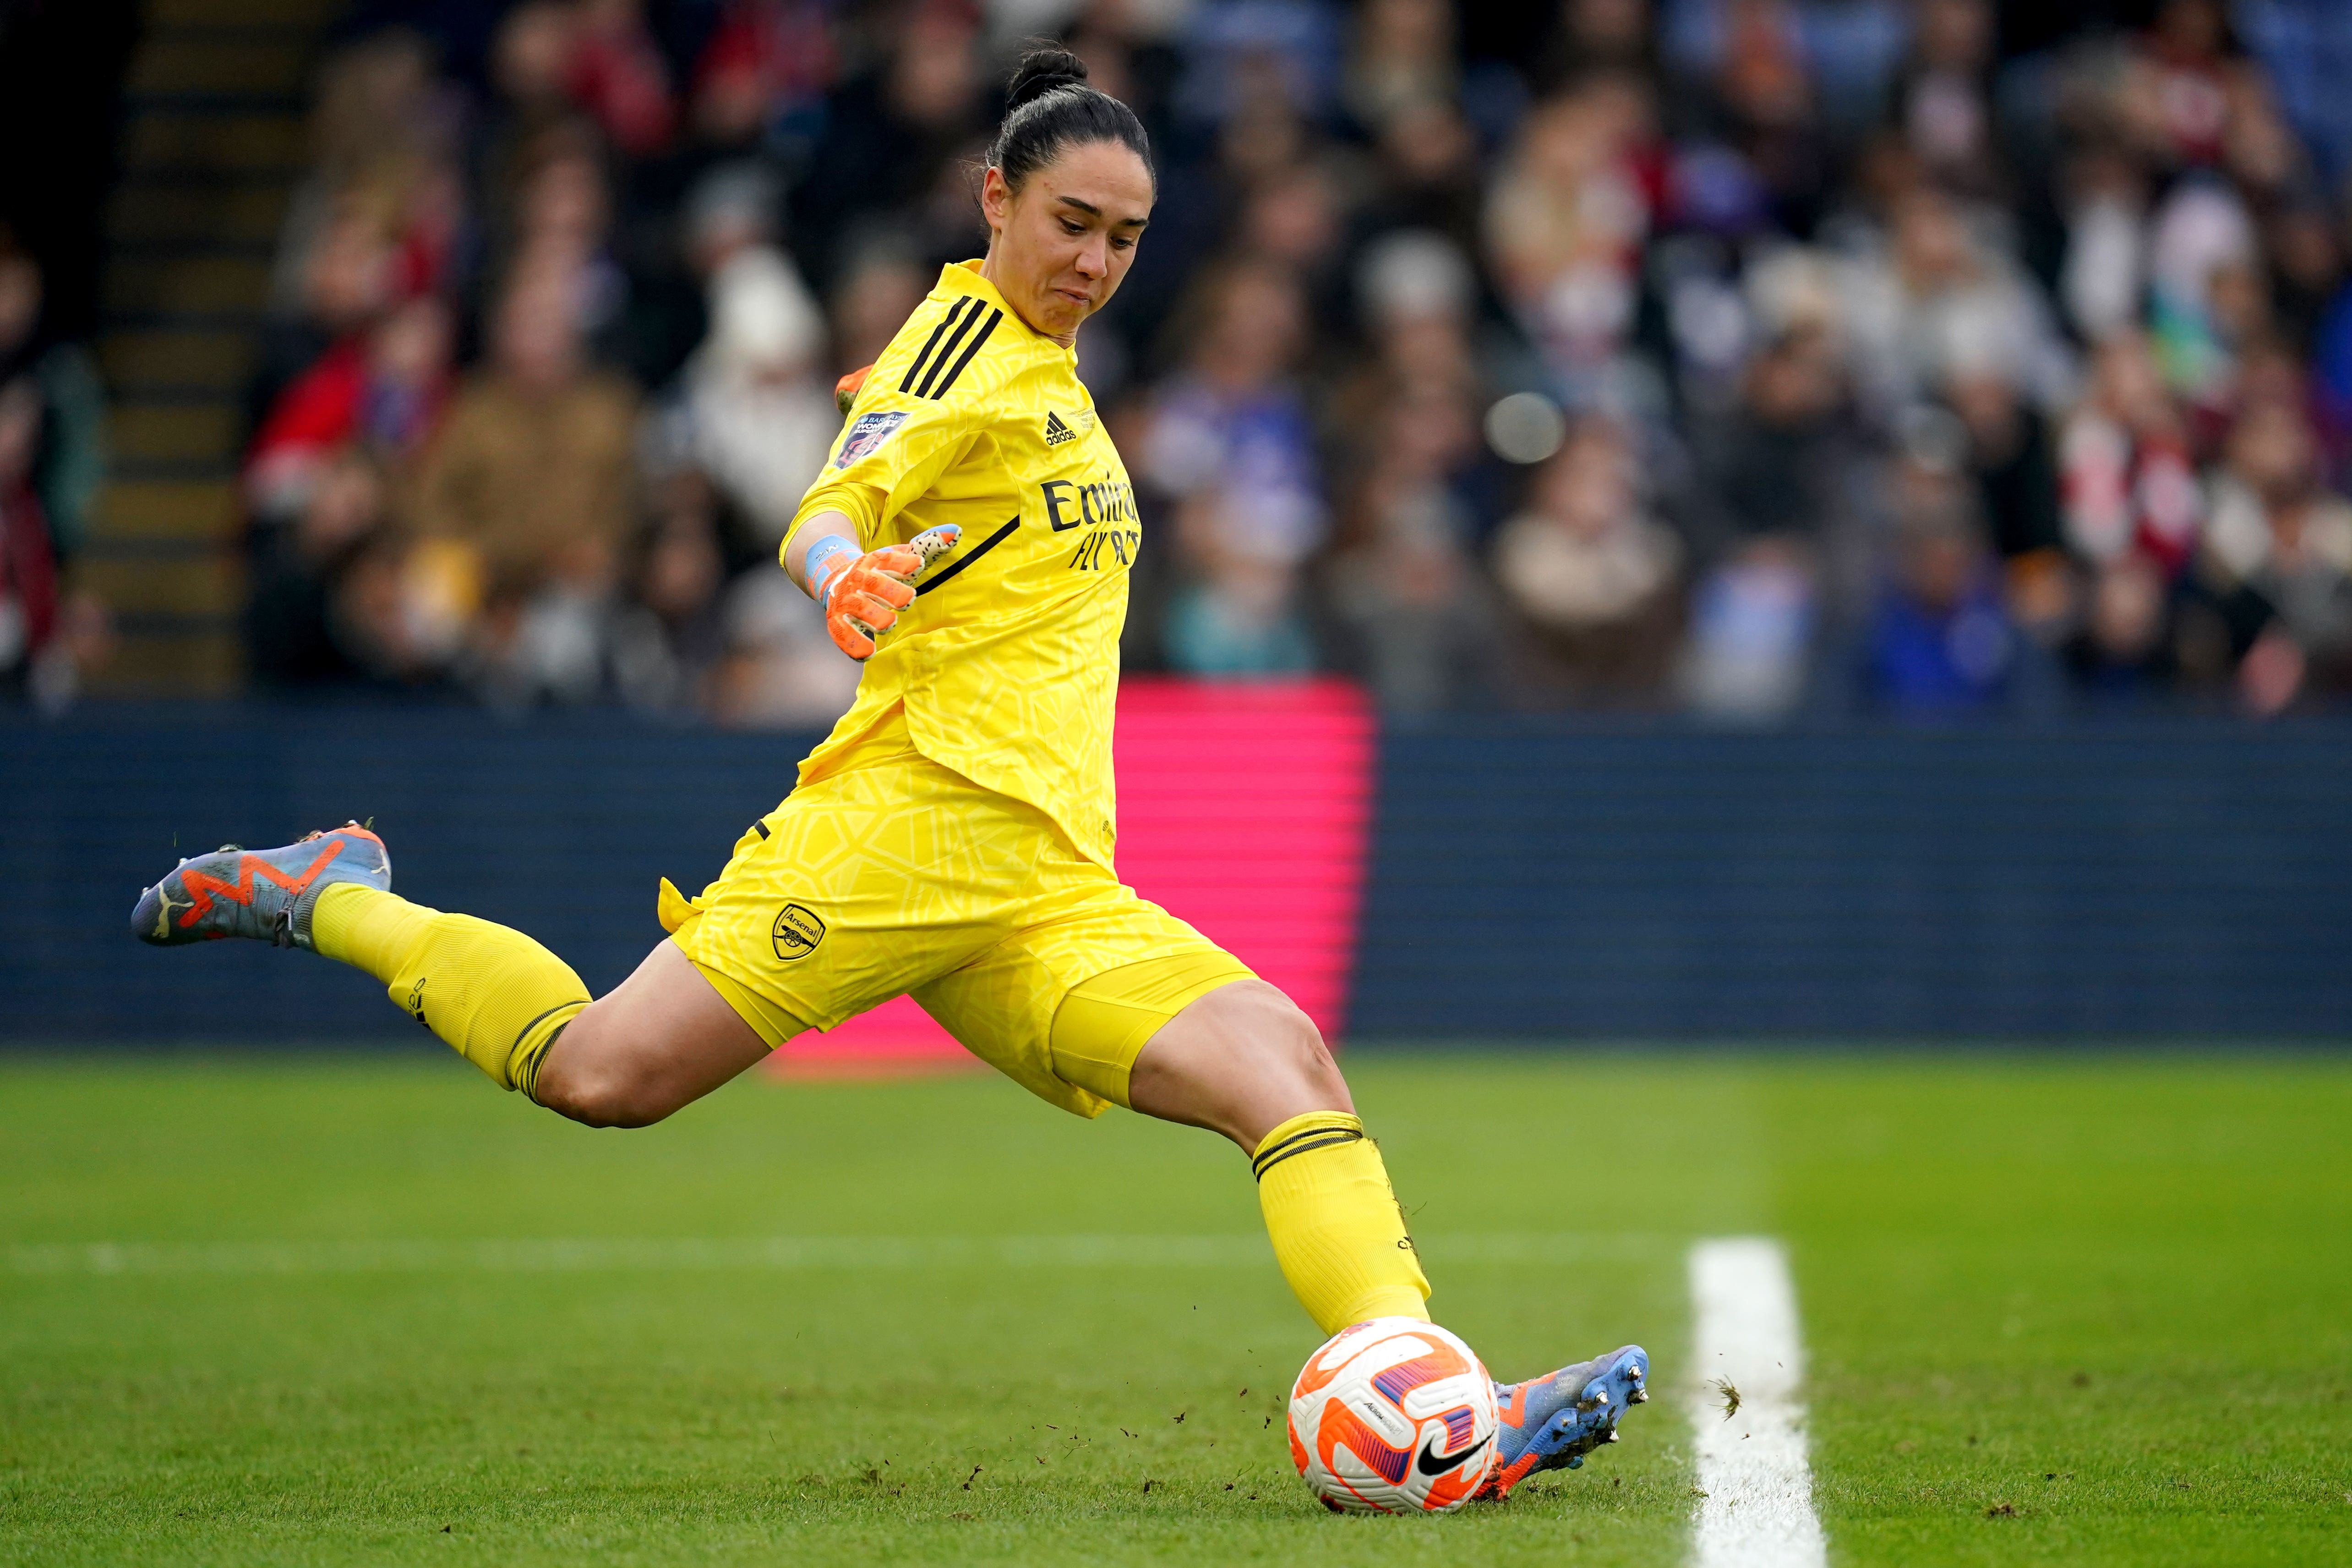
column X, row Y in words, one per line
column 846, row 390
column 862, row 595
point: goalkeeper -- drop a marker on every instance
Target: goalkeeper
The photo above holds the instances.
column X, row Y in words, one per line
column 969, row 539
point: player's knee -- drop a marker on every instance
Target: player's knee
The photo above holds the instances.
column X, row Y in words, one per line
column 614, row 1100
column 1286, row 1043
column 605, row 1091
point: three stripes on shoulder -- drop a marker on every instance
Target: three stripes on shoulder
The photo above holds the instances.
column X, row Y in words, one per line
column 923, row 378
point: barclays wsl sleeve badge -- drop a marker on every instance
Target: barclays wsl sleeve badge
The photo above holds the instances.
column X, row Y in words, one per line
column 866, row 433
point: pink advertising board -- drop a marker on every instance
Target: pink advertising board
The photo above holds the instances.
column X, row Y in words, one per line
column 1244, row 807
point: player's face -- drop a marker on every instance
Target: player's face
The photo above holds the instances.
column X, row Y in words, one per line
column 1059, row 245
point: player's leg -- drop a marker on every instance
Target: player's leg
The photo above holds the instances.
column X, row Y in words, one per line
column 502, row 1000
column 1113, row 1001
column 659, row 1041
column 496, row 995
column 1243, row 1060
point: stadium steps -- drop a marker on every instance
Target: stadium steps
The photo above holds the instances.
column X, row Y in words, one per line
column 213, row 140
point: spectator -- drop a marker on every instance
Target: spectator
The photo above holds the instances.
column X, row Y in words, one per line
column 2200, row 243
column 2123, row 652
column 1565, row 222
column 1844, row 288
column 2279, row 551
column 563, row 226
column 880, row 287
column 1940, row 639
column 2125, row 478
column 1427, row 174
column 2177, row 98
column 29, row 567
column 1294, row 218
column 1238, row 615
column 2008, row 456
column 667, row 640
column 296, row 633
column 68, row 458
column 619, row 77
column 1753, row 624
column 1940, row 300
column 1779, row 463
column 754, row 410
column 763, row 75
column 1402, row 58
column 348, row 279
column 381, row 135
column 2105, row 268
column 1261, row 134
column 892, row 133
column 1232, row 431
column 1414, row 297
column 1593, row 577
column 384, row 394
column 1943, row 100
column 532, row 61
column 1592, row 37
column 1762, row 102
column 1246, row 59
column 2306, row 263
column 749, row 133
column 402, row 611
column 533, row 476
column 2305, row 46
column 1403, row 576
column 780, row 671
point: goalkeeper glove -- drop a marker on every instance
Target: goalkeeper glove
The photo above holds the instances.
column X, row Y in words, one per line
column 846, row 390
column 862, row 595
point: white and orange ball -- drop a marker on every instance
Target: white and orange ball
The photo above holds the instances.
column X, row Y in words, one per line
column 1393, row 1415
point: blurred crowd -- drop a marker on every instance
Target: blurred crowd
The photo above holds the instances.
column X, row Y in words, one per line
column 52, row 461
column 1750, row 357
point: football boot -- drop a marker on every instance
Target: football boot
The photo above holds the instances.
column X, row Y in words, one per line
column 264, row 894
column 1551, row 1422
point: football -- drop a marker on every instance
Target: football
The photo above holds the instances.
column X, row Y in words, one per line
column 1393, row 1415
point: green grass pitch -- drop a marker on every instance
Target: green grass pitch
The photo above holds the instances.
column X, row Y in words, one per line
column 2080, row 1309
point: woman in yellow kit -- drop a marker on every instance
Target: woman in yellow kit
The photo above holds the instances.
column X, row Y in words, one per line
column 969, row 539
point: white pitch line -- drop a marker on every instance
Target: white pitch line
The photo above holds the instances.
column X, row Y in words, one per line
column 628, row 1254
column 1757, row 1507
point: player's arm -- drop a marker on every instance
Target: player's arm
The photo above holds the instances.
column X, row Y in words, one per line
column 862, row 590
column 889, row 454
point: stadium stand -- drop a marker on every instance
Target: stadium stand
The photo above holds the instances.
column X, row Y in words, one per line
column 1752, row 358
column 1657, row 411
column 213, row 139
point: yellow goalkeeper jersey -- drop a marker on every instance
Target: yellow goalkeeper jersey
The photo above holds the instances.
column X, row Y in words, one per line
column 1007, row 663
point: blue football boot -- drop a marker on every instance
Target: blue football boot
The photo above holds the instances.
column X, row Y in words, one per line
column 1554, row 1421
column 266, row 894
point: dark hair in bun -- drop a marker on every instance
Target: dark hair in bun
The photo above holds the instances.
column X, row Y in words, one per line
column 1048, row 106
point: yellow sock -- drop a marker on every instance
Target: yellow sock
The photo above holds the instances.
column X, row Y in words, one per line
column 1337, row 1232
column 495, row 995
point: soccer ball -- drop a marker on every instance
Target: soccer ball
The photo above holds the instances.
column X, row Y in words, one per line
column 1393, row 1415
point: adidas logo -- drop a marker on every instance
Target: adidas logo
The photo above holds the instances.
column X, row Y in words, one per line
column 1056, row 431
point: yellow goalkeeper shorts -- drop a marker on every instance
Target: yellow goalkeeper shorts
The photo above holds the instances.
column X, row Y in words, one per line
column 893, row 875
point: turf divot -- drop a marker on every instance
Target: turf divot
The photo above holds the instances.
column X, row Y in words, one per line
column 1755, row 1510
